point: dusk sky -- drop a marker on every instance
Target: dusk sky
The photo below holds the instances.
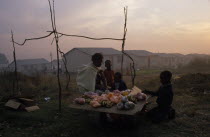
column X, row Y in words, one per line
column 171, row 26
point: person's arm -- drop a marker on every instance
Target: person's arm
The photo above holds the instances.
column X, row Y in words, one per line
column 151, row 92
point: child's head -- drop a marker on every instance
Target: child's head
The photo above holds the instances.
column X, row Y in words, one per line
column 108, row 64
column 165, row 77
column 97, row 59
column 117, row 77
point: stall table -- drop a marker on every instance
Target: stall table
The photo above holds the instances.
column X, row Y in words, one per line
column 138, row 107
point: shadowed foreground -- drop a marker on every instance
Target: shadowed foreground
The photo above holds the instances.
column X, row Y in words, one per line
column 192, row 118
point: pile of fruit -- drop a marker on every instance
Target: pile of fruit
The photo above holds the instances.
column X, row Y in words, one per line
column 123, row 99
column 128, row 102
column 125, row 104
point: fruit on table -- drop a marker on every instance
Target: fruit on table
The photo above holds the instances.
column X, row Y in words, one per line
column 125, row 93
column 141, row 96
column 109, row 95
column 107, row 104
column 95, row 104
column 80, row 101
column 124, row 99
column 129, row 105
column 120, row 106
column 125, row 106
column 132, row 98
column 88, row 100
column 128, row 90
column 101, row 98
column 104, row 97
column 103, row 103
column 115, row 99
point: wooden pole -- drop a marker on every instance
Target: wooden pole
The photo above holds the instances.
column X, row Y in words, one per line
column 15, row 81
column 124, row 37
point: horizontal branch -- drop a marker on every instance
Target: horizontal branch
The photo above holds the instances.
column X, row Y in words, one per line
column 62, row 34
column 34, row 39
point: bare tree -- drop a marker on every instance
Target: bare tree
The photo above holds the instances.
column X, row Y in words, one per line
column 124, row 37
column 132, row 65
column 51, row 65
column 15, row 81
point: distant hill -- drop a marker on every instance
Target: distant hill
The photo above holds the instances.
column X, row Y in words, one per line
column 169, row 54
column 139, row 52
column 3, row 59
column 197, row 55
column 147, row 53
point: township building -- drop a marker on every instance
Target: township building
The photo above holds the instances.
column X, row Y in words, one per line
column 145, row 59
column 78, row 57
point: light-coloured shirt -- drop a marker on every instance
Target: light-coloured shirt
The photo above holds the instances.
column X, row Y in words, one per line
column 86, row 78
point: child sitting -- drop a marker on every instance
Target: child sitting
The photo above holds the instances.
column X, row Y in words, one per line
column 119, row 84
column 164, row 100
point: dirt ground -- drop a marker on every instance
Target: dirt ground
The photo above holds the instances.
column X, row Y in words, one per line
column 191, row 102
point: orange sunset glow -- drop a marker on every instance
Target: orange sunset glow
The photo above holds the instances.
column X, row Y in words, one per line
column 174, row 26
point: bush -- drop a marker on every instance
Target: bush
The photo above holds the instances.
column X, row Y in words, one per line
column 197, row 65
column 38, row 86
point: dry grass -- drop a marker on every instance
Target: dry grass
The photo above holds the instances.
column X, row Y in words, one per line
column 192, row 119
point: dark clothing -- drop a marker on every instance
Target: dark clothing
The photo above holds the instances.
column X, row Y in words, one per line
column 99, row 82
column 119, row 86
column 157, row 115
column 165, row 96
column 164, row 101
column 98, row 79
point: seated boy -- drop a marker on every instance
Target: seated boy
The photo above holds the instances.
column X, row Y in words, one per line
column 164, row 99
column 109, row 73
column 119, row 84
